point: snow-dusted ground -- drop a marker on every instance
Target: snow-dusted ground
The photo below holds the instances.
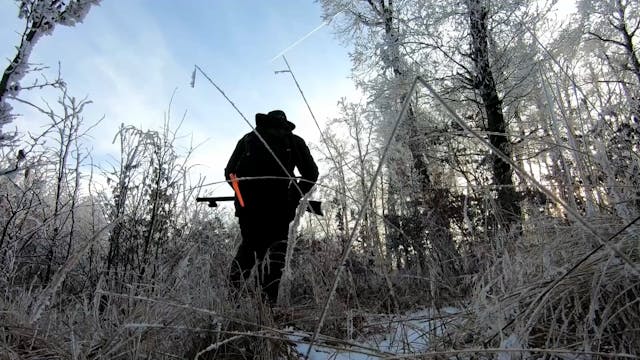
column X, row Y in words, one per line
column 388, row 335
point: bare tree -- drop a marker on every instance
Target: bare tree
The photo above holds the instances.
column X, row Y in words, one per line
column 43, row 195
column 376, row 28
column 147, row 201
column 616, row 23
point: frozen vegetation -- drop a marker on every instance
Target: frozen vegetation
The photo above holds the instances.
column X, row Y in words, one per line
column 481, row 202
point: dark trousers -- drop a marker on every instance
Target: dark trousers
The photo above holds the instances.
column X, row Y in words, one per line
column 264, row 244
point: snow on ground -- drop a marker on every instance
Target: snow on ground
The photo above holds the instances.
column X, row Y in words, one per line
column 393, row 335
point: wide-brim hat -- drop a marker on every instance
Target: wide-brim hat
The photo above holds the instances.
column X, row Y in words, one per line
column 276, row 116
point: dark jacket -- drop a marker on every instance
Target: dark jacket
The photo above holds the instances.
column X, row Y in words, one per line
column 272, row 189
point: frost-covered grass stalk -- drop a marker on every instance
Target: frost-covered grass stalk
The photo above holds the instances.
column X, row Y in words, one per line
column 587, row 310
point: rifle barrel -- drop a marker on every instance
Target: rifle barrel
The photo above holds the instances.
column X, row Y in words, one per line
column 314, row 207
column 216, row 198
column 213, row 201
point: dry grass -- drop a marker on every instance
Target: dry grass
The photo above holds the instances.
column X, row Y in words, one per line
column 538, row 294
column 594, row 310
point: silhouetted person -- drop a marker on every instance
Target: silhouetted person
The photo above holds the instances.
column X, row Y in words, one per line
column 270, row 197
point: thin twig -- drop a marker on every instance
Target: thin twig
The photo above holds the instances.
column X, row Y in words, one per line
column 264, row 142
column 218, row 344
column 354, row 229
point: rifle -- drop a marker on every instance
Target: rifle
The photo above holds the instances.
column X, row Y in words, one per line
column 314, row 207
column 213, row 201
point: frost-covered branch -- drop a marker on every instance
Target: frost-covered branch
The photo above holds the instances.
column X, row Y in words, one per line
column 41, row 17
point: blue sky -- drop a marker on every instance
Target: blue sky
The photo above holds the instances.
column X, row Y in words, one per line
column 129, row 56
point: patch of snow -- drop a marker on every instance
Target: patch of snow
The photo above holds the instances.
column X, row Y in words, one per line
column 398, row 335
column 321, row 351
column 512, row 342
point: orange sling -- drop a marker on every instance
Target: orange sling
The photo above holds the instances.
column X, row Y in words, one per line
column 236, row 188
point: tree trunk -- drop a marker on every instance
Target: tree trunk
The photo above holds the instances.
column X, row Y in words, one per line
column 435, row 224
column 509, row 211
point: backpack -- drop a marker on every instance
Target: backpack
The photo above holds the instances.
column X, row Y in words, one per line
column 257, row 161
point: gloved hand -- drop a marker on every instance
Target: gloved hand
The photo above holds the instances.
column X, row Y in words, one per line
column 293, row 198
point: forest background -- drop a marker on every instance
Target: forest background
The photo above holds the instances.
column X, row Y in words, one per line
column 492, row 165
